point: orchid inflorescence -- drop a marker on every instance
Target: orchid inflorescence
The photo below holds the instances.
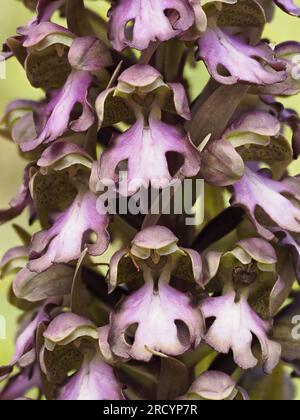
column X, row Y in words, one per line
column 169, row 311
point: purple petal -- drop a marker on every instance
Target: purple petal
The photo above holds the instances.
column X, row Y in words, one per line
column 259, row 250
column 140, row 76
column 288, row 6
column 34, row 287
column 60, row 150
column 41, row 31
column 25, row 343
column 13, row 255
column 20, row 201
column 166, row 322
column 292, row 243
column 181, row 103
column 288, row 52
column 255, row 122
column 289, row 117
column 213, row 385
column 155, row 238
column 18, row 386
column 68, row 236
column 26, row 340
column 94, row 381
column 60, row 108
column 256, row 190
column 282, row 288
column 46, row 8
column 114, row 269
column 89, row 54
column 66, row 328
column 234, row 324
column 196, row 264
column 221, row 164
column 145, row 149
column 150, row 22
column 243, row 62
column 211, row 264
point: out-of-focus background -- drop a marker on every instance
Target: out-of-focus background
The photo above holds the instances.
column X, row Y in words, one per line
column 15, row 85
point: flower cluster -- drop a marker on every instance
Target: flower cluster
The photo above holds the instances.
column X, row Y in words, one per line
column 133, row 306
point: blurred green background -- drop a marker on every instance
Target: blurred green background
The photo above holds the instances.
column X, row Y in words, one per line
column 12, row 15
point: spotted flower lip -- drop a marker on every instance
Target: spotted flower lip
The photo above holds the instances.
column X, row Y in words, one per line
column 76, row 63
column 251, row 128
column 142, row 16
column 218, row 48
column 165, row 319
column 257, row 136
